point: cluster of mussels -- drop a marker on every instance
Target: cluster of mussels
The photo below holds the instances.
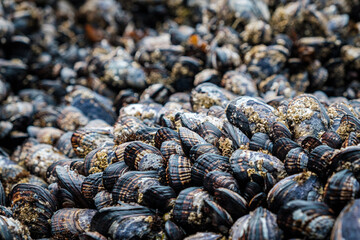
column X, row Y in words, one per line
column 171, row 119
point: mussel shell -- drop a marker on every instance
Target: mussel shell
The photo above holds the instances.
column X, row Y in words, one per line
column 72, row 182
column 93, row 105
column 105, row 221
column 86, row 140
column 178, row 172
column 188, row 208
column 129, row 185
column 91, row 185
column 347, row 225
column 189, row 139
column 219, row 217
column 279, row 130
column 206, row 163
column 341, row 188
column 158, row 197
column 64, row 145
column 71, row 118
column 173, row 231
column 141, row 156
column 331, row 138
column 250, row 165
column 169, row 148
column 234, row 203
column 282, row 146
column 261, row 141
column 71, row 222
column 259, row 224
column 296, row 161
column 299, row 218
column 33, row 205
column 112, row 173
column 99, row 159
column 165, row 134
column 320, row 161
column 200, row 149
column 218, row 179
column 307, row 116
column 11, row 228
column 301, row 186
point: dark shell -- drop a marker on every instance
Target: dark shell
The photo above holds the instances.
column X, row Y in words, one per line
column 169, row 148
column 310, row 142
column 218, row 179
column 282, row 146
column 218, row 216
column 114, row 222
column 71, row 222
column 165, row 134
column 178, row 172
column 347, row 225
column 301, row 186
column 206, row 163
column 189, row 139
column 235, row 204
column 173, row 231
column 299, row 218
column 249, row 165
column 64, row 145
column 247, row 112
column 2, row 195
column 320, row 160
column 146, row 135
column 93, row 105
column 200, row 149
column 112, row 173
column 261, row 141
column 307, row 116
column 340, row 189
column 91, row 185
column 237, row 137
column 209, row 132
column 103, row 199
column 33, row 206
column 158, row 197
column 279, row 130
column 296, row 161
column 346, row 158
column 72, row 181
column 188, row 208
column 131, row 184
column 259, row 224
column 331, row 138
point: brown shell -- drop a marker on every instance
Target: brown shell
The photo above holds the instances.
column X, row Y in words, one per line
column 33, row 206
column 71, row 222
column 99, row 159
column 86, row 140
column 178, row 172
column 71, row 118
